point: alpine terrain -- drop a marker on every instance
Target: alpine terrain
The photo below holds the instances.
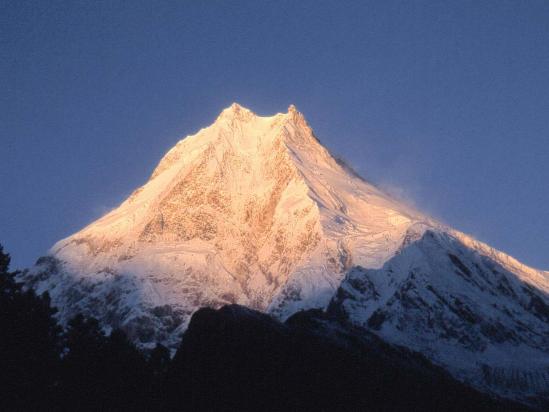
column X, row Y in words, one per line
column 255, row 211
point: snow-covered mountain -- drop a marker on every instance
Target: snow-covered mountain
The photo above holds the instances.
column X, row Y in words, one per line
column 254, row 210
column 474, row 310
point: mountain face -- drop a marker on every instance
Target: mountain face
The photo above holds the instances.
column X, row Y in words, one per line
column 251, row 210
column 255, row 211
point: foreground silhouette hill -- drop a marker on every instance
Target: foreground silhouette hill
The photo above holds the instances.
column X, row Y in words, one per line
column 235, row 358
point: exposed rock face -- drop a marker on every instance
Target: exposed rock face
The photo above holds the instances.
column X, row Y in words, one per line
column 254, row 210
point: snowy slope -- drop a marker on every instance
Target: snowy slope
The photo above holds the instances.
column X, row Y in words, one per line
column 472, row 309
column 254, row 210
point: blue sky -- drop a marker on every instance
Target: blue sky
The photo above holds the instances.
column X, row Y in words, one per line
column 446, row 104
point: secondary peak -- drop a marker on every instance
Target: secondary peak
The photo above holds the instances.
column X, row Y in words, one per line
column 296, row 116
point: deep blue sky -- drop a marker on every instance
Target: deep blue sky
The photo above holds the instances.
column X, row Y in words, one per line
column 444, row 103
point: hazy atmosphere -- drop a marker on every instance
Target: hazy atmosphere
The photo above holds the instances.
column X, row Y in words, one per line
column 444, row 104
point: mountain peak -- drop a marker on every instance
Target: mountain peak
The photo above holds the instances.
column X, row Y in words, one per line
column 235, row 107
column 296, row 115
column 236, row 112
